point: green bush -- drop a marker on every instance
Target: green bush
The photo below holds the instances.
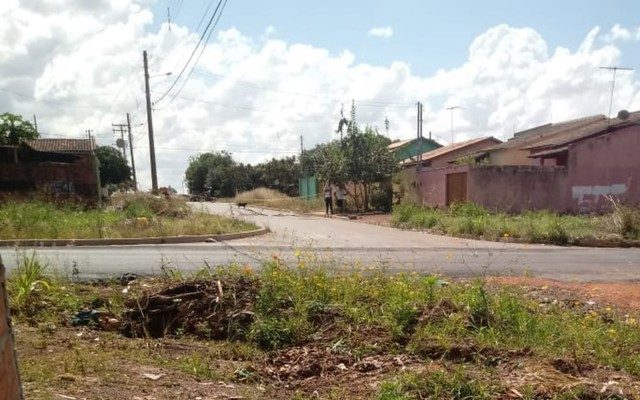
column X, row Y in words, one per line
column 382, row 199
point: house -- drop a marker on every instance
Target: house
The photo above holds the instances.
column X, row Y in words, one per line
column 53, row 168
column 574, row 167
column 515, row 152
column 406, row 183
column 410, row 149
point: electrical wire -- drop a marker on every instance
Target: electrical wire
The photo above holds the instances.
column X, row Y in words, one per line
column 364, row 103
column 202, row 37
column 184, row 82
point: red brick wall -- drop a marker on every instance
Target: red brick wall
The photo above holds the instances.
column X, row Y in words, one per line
column 59, row 180
column 10, row 388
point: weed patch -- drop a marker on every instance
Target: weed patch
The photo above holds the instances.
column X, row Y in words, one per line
column 470, row 220
column 135, row 215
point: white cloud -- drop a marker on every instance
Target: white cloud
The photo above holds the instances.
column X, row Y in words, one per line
column 618, row 33
column 383, row 32
column 256, row 96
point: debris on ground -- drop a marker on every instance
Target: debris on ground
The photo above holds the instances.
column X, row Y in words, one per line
column 210, row 309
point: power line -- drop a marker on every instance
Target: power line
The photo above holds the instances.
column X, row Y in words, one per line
column 364, row 103
column 184, row 82
column 204, row 34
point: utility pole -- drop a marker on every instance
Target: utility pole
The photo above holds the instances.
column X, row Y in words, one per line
column 35, row 123
column 119, row 128
column 613, row 84
column 133, row 162
column 419, row 131
column 451, row 109
column 152, row 149
column 96, row 167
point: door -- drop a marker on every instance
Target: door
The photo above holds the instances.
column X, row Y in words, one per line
column 456, row 188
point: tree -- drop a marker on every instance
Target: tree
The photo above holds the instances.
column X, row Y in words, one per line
column 360, row 156
column 211, row 174
column 13, row 129
column 113, row 167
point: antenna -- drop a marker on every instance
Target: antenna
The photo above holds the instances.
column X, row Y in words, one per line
column 613, row 83
column 451, row 109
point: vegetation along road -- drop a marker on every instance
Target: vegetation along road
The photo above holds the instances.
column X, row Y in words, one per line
column 346, row 243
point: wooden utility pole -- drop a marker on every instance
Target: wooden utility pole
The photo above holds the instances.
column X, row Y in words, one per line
column 119, row 128
column 152, row 148
column 133, row 162
column 96, row 167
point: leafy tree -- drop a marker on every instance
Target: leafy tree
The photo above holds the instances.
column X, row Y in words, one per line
column 113, row 166
column 361, row 157
column 280, row 174
column 211, row 174
column 13, row 129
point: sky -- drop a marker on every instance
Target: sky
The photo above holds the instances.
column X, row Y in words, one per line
column 275, row 71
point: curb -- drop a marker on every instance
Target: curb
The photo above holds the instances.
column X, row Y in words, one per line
column 132, row 241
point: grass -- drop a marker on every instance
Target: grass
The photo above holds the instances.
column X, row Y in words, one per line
column 270, row 198
column 138, row 215
column 466, row 334
column 533, row 226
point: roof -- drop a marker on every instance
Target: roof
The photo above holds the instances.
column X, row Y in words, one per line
column 444, row 150
column 397, row 145
column 573, row 134
column 61, row 145
column 400, row 143
column 534, row 135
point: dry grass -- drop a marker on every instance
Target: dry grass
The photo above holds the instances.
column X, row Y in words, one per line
column 126, row 216
column 270, row 198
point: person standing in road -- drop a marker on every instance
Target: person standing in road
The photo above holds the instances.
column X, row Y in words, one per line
column 339, row 194
column 328, row 201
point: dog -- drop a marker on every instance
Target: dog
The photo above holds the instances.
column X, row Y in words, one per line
column 241, row 205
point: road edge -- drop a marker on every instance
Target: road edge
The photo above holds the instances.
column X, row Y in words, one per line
column 132, row 241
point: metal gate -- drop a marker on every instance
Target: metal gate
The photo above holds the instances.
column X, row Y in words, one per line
column 456, row 188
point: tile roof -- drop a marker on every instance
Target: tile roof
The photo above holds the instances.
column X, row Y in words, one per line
column 60, row 145
column 572, row 134
column 430, row 155
column 537, row 134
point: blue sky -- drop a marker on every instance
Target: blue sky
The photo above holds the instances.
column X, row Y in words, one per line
column 428, row 35
column 275, row 70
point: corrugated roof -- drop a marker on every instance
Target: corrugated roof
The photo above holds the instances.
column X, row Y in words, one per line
column 60, row 145
column 430, row 155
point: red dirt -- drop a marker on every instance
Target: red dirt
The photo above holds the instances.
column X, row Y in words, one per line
column 625, row 295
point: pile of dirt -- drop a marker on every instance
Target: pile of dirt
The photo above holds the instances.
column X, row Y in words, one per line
column 210, row 309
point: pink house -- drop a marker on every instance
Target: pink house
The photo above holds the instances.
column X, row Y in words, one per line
column 573, row 167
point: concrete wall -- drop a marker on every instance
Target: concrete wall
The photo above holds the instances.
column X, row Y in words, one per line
column 606, row 165
column 514, row 188
column 505, row 188
column 10, row 388
column 510, row 156
column 433, row 184
column 445, row 159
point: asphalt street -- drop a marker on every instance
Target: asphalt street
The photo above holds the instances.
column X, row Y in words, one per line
column 340, row 243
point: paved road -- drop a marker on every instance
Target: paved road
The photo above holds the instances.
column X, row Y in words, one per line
column 340, row 242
